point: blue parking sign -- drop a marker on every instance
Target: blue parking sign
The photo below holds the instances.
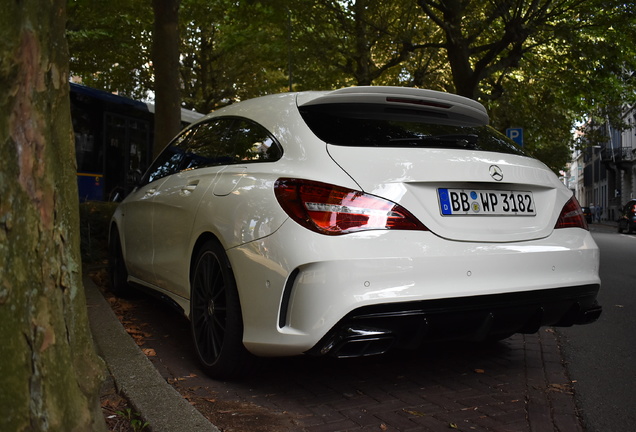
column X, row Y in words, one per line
column 515, row 134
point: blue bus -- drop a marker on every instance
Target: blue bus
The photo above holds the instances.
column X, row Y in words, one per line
column 114, row 138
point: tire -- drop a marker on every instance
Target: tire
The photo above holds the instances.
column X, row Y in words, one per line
column 620, row 228
column 215, row 315
column 117, row 267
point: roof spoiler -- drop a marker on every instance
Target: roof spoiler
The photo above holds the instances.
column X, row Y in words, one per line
column 451, row 106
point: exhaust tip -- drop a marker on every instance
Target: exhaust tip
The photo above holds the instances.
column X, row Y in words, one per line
column 358, row 342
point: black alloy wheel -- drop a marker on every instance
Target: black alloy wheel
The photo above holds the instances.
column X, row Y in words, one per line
column 215, row 314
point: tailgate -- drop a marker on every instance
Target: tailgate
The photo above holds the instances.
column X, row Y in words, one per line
column 477, row 185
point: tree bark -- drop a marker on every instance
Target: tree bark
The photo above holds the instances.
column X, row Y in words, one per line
column 165, row 58
column 49, row 372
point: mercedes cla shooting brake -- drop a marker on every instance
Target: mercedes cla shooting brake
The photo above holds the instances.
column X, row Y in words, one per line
column 350, row 222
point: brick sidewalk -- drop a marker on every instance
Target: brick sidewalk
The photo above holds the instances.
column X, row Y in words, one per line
column 550, row 397
column 518, row 385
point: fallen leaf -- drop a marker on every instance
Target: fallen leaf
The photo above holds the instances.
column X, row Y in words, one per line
column 149, row 352
column 480, row 371
column 415, row 413
column 562, row 388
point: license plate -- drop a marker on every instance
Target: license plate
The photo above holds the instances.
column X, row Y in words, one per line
column 474, row 202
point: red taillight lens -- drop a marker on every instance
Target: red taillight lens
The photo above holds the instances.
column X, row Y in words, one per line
column 334, row 210
column 571, row 216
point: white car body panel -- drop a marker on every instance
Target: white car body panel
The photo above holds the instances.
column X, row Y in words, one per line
column 340, row 274
column 134, row 217
column 177, row 200
column 414, row 175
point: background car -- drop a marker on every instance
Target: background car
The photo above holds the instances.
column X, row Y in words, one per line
column 627, row 220
column 350, row 222
column 587, row 213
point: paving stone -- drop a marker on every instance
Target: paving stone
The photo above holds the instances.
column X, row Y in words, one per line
column 397, row 420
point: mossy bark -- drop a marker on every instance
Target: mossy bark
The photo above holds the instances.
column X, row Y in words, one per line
column 49, row 372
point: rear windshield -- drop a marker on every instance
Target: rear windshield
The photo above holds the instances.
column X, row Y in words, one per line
column 374, row 126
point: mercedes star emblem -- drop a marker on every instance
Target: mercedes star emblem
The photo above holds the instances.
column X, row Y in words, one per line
column 496, row 173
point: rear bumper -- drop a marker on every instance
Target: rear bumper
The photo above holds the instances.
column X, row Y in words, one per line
column 376, row 329
column 301, row 292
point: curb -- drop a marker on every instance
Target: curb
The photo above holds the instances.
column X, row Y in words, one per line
column 135, row 376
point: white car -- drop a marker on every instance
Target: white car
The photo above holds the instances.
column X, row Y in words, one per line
column 349, row 222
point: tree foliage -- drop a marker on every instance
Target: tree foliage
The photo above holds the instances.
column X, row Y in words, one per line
column 110, row 43
column 231, row 51
column 573, row 57
column 359, row 41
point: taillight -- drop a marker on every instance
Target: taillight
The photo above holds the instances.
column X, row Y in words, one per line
column 335, row 210
column 571, row 216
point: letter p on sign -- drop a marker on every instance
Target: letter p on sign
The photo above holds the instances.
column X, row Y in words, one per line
column 515, row 134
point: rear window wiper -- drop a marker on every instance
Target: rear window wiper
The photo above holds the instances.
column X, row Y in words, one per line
column 450, row 141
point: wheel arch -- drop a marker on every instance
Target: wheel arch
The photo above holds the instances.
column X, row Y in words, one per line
column 203, row 238
column 232, row 359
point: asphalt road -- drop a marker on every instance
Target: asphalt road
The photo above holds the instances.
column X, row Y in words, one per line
column 601, row 358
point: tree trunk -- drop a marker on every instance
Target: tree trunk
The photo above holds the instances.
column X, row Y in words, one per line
column 458, row 51
column 165, row 58
column 49, row 372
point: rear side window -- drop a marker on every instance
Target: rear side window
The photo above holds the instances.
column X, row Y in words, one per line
column 252, row 143
column 231, row 140
column 210, row 145
column 219, row 141
column 366, row 125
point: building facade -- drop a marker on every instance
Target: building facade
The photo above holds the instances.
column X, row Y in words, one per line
column 604, row 173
